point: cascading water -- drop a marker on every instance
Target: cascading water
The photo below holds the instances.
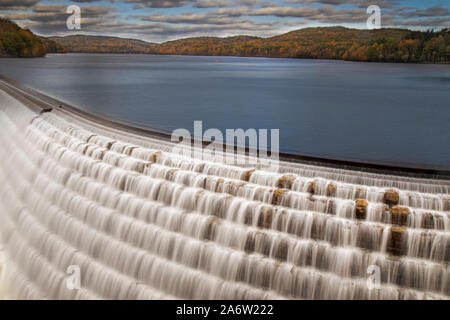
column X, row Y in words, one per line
column 143, row 223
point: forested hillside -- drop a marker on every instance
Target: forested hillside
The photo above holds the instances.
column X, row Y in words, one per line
column 102, row 44
column 387, row 45
column 383, row 45
column 18, row 42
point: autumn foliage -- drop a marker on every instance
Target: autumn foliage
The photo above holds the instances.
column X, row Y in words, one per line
column 382, row 45
column 18, row 42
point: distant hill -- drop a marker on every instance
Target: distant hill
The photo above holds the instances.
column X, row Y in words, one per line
column 103, row 44
column 53, row 46
column 18, row 42
column 382, row 45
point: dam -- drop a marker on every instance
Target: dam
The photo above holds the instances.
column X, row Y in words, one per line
column 141, row 222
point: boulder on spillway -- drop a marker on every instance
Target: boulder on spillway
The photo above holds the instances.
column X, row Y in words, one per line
column 361, row 208
column 331, row 189
column 395, row 242
column 277, row 195
column 399, row 215
column 286, row 181
column 246, row 175
column 391, row 197
column 312, row 187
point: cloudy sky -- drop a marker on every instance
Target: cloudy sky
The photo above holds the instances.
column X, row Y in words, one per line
column 162, row 20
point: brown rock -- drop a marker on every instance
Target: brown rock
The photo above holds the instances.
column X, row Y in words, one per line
column 90, row 137
column 129, row 150
column 399, row 215
column 391, row 197
column 110, row 144
column 331, row 189
column 286, row 181
column 312, row 187
column 246, row 175
column 156, row 155
column 395, row 242
column 218, row 183
column 277, row 195
column 361, row 208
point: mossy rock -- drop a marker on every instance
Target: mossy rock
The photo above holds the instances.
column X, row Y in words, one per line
column 391, row 197
column 331, row 189
column 155, row 156
column 312, row 187
column 277, row 195
column 395, row 243
column 399, row 215
column 286, row 181
column 246, row 175
column 361, row 208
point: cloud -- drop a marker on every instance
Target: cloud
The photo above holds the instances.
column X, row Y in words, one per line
column 428, row 23
column 435, row 11
column 163, row 32
column 159, row 3
column 323, row 14
column 357, row 3
column 190, row 18
column 48, row 18
column 85, row 1
column 225, row 3
column 17, row 4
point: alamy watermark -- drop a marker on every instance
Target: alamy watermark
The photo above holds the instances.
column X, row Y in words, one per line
column 235, row 146
column 73, row 280
column 374, row 279
column 73, row 22
column 374, row 20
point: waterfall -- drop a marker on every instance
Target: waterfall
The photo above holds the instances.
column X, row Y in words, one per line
column 141, row 222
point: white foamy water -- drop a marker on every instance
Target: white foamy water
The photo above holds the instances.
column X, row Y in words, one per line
column 143, row 223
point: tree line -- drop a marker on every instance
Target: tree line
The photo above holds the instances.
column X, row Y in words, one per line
column 18, row 42
column 381, row 45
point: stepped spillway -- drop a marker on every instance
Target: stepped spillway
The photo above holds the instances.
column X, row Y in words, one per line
column 144, row 223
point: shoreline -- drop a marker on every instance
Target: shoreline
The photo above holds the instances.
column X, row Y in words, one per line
column 41, row 103
column 231, row 56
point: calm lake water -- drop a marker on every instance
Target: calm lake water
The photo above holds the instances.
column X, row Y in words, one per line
column 389, row 113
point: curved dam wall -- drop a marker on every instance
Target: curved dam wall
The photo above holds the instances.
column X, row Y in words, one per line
column 140, row 222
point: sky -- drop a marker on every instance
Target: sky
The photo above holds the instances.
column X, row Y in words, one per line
column 164, row 20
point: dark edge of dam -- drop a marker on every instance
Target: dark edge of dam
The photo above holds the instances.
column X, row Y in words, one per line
column 41, row 103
